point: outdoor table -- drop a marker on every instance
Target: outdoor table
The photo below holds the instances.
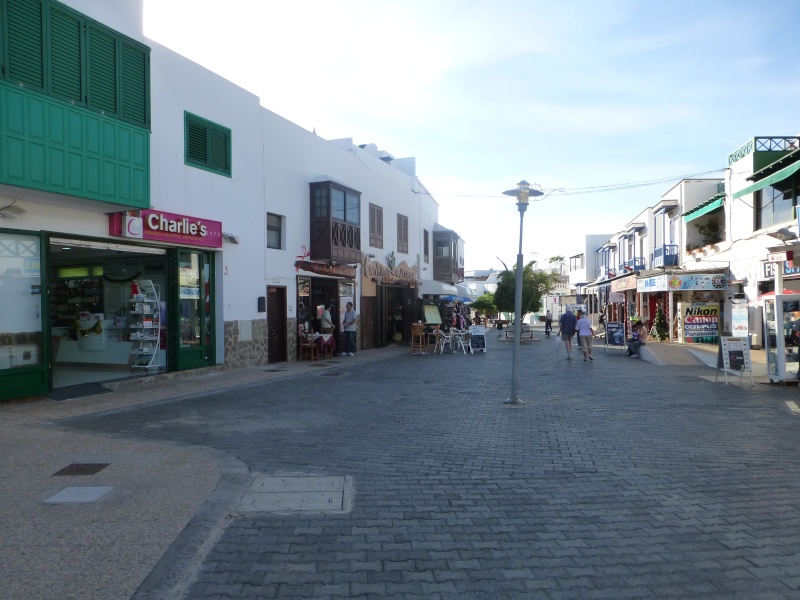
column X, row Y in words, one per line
column 325, row 341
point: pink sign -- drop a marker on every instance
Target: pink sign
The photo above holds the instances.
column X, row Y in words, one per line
column 159, row 226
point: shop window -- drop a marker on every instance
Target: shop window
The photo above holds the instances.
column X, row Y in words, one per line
column 402, row 234
column 274, row 231
column 375, row 226
column 208, row 145
column 426, row 246
column 774, row 204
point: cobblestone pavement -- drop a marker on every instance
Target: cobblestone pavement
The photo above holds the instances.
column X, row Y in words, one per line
column 616, row 479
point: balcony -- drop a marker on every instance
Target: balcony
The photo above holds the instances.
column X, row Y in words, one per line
column 665, row 256
column 631, row 265
column 335, row 230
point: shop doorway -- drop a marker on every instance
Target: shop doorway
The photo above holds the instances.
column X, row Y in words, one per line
column 90, row 311
column 276, row 325
column 191, row 341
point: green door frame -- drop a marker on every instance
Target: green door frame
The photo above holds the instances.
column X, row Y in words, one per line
column 33, row 380
column 181, row 357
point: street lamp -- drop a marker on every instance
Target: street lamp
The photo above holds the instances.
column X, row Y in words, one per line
column 523, row 193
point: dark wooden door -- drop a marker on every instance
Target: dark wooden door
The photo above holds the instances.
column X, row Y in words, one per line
column 276, row 325
column 367, row 319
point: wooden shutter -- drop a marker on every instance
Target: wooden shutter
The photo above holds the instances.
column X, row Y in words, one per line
column 196, row 142
column 218, row 144
column 102, row 70
column 134, row 84
column 65, row 56
column 25, row 43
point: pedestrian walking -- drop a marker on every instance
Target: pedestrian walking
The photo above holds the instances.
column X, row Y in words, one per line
column 566, row 329
column 548, row 323
column 350, row 323
column 585, row 335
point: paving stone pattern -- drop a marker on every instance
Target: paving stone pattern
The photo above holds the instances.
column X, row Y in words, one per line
column 616, row 479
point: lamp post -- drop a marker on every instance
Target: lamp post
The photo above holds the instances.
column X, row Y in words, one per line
column 523, row 193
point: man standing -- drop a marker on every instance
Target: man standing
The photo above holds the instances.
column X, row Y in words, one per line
column 566, row 329
column 349, row 322
column 548, row 323
column 585, row 335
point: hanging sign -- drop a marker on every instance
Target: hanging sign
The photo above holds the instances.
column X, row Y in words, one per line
column 774, row 257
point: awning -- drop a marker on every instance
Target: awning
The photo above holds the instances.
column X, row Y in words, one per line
column 463, row 290
column 309, row 274
column 462, row 299
column 709, row 206
column 777, row 176
column 437, row 288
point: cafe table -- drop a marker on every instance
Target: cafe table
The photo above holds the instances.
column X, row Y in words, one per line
column 326, row 343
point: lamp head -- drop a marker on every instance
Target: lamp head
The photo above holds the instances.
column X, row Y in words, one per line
column 524, row 192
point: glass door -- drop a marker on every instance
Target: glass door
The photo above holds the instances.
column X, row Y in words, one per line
column 195, row 314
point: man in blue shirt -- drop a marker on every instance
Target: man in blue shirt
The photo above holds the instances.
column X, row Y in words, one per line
column 566, row 329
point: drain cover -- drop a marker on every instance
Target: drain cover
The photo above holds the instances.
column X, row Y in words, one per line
column 82, row 469
column 291, row 494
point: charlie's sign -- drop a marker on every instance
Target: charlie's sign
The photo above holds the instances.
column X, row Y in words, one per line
column 159, row 226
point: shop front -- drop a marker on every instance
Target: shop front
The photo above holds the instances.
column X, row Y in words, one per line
column 695, row 303
column 388, row 302
column 80, row 309
column 621, row 306
column 320, row 285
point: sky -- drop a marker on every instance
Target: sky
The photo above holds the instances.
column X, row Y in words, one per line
column 579, row 96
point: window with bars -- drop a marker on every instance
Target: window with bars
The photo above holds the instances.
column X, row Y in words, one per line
column 375, row 226
column 274, row 231
column 402, row 234
column 208, row 145
column 64, row 54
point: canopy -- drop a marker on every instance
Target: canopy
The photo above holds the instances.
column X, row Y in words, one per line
column 762, row 297
column 704, row 208
column 436, row 288
column 452, row 298
column 784, row 173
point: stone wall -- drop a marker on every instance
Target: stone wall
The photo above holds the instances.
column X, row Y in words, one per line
column 249, row 353
column 291, row 343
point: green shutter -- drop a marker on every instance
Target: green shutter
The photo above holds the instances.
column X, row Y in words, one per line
column 196, row 142
column 134, row 84
column 25, row 39
column 65, row 56
column 218, row 150
column 102, row 70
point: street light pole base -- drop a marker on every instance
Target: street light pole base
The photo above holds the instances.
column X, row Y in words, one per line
column 513, row 402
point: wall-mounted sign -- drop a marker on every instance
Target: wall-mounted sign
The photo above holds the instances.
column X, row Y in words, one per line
column 624, row 283
column 774, row 257
column 683, row 281
column 616, row 297
column 401, row 274
column 325, row 269
column 789, row 270
column 159, row 226
column 699, row 322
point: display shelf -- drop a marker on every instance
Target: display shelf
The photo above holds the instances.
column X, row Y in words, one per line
column 146, row 325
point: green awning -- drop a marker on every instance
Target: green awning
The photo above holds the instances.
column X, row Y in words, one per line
column 705, row 208
column 777, row 176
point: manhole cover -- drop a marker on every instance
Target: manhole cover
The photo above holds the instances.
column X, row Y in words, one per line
column 292, row 494
column 82, row 469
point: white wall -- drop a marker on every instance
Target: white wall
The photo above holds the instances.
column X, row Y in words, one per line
column 124, row 16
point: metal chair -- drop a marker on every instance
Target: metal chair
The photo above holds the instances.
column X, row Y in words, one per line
column 442, row 339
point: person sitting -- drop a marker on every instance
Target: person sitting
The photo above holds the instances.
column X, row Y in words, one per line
column 637, row 339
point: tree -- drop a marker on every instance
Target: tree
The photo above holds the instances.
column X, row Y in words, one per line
column 484, row 304
column 662, row 328
column 535, row 284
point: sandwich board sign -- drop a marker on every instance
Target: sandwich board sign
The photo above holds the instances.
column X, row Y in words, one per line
column 734, row 356
column 477, row 338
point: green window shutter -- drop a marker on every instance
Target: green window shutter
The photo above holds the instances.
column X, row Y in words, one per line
column 196, row 142
column 218, row 144
column 25, row 42
column 65, row 55
column 134, row 84
column 102, row 70
column 208, row 145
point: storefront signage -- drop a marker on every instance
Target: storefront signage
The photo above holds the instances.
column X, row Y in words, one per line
column 616, row 297
column 683, row 281
column 159, row 226
column 774, row 257
column 324, row 269
column 700, row 322
column 401, row 274
column 768, row 268
column 624, row 283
